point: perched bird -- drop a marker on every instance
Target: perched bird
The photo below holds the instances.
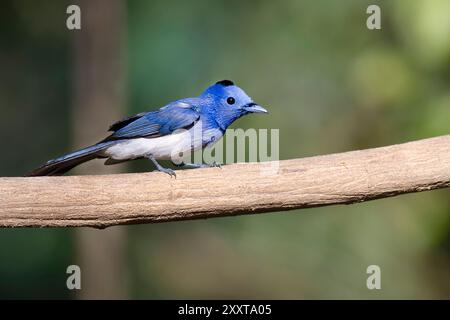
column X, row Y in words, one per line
column 158, row 135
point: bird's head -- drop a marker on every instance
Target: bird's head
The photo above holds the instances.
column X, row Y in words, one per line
column 230, row 102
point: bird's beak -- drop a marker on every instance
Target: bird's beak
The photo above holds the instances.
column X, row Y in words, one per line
column 254, row 108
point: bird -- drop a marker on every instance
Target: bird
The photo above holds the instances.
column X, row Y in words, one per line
column 181, row 126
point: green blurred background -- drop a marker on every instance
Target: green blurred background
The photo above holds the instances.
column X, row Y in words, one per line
column 330, row 84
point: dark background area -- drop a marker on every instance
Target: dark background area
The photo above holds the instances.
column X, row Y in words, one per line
column 330, row 84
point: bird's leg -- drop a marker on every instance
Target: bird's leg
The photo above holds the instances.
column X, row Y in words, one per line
column 196, row 165
column 161, row 168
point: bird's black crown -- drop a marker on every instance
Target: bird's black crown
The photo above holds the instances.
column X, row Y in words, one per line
column 225, row 83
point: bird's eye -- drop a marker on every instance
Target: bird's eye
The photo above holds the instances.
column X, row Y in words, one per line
column 231, row 100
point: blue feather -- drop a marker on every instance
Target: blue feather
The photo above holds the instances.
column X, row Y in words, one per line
column 217, row 108
column 177, row 115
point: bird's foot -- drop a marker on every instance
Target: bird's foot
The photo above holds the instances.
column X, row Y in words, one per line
column 198, row 165
column 160, row 168
column 167, row 170
column 216, row 165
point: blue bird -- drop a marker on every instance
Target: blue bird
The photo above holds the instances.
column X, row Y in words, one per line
column 169, row 131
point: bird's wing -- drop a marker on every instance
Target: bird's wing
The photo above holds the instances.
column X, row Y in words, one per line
column 124, row 122
column 177, row 115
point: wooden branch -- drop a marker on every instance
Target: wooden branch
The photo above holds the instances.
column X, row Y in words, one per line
column 344, row 178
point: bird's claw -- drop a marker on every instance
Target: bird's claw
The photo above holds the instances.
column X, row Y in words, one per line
column 170, row 172
column 215, row 165
column 211, row 165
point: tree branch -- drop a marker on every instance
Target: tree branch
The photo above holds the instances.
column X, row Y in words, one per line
column 344, row 178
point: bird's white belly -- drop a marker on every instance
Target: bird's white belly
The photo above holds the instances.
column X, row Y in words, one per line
column 163, row 148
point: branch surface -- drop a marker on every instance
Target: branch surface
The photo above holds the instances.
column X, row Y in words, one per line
column 106, row 200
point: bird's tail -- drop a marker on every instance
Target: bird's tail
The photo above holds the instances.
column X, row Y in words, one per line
column 61, row 165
